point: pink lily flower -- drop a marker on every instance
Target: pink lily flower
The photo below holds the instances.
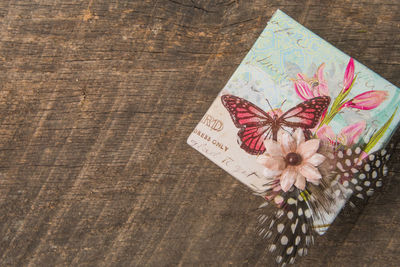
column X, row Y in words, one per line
column 348, row 135
column 366, row 101
column 309, row 88
column 348, row 75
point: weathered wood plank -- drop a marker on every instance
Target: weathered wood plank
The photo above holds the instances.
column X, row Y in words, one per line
column 97, row 99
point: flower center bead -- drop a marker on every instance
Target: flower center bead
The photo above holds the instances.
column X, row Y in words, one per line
column 293, row 159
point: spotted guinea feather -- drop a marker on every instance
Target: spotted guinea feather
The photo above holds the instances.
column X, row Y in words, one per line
column 287, row 228
column 289, row 225
column 372, row 175
column 361, row 178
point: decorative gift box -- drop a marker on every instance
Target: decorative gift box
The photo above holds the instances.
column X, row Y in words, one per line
column 304, row 126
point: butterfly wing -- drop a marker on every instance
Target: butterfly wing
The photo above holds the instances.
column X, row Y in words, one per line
column 252, row 138
column 254, row 123
column 306, row 114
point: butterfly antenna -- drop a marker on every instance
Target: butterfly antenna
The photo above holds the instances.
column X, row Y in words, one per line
column 283, row 103
column 272, row 109
column 286, row 130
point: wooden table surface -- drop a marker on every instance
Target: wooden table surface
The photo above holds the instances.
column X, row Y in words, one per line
column 97, row 99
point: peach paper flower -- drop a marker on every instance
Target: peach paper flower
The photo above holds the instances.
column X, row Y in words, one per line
column 292, row 159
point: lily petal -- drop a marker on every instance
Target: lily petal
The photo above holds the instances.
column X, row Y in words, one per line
column 288, row 178
column 316, row 159
column 367, row 100
column 350, row 134
column 326, row 133
column 348, row 75
column 310, row 172
column 322, row 84
column 303, row 89
column 287, row 142
column 302, row 76
column 272, row 147
column 300, row 182
column 323, row 89
column 320, row 72
column 309, row 148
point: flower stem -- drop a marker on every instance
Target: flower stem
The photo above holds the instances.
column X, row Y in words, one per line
column 337, row 104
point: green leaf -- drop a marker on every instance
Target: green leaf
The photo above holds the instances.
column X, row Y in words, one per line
column 350, row 87
column 337, row 103
column 378, row 135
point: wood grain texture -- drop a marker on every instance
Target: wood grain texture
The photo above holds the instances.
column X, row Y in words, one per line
column 97, row 99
